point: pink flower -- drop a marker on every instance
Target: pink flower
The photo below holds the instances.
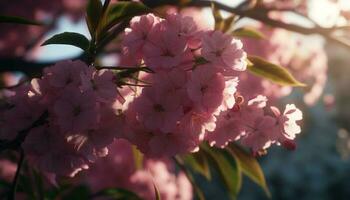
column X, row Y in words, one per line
column 184, row 27
column 165, row 49
column 65, row 73
column 196, row 124
column 93, row 143
column 76, row 110
column 120, row 165
column 228, row 128
column 224, row 51
column 41, row 89
column 246, row 122
column 173, row 83
column 136, row 36
column 229, row 94
column 287, row 122
column 205, row 88
column 47, row 148
column 259, row 133
column 102, row 83
column 159, row 109
column 23, row 111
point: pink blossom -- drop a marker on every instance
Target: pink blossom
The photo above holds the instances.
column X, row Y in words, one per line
column 228, row 128
column 259, row 133
column 224, row 51
column 173, row 83
column 93, row 143
column 41, row 89
column 205, row 88
column 119, row 164
column 247, row 123
column 159, row 109
column 229, row 94
column 196, row 124
column 136, row 36
column 184, row 27
column 102, row 83
column 166, row 50
column 287, row 122
column 23, row 112
column 65, row 73
column 47, row 148
column 76, row 111
column 155, row 143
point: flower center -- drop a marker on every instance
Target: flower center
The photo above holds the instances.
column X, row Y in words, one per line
column 204, row 88
column 158, row 108
column 76, row 110
column 218, row 53
column 168, row 53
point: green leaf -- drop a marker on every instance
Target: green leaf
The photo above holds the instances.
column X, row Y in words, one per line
column 275, row 73
column 249, row 166
column 199, row 163
column 229, row 171
column 117, row 194
column 69, row 38
column 138, row 158
column 156, row 192
column 18, row 20
column 93, row 15
column 79, row 192
column 123, row 11
column 248, row 32
column 180, row 162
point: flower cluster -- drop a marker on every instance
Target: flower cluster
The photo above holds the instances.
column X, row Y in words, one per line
column 73, row 112
column 194, row 90
column 72, row 106
column 256, row 129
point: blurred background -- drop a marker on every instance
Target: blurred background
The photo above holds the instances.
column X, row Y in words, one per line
column 319, row 168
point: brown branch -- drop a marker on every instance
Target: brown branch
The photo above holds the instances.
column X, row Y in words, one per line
column 261, row 15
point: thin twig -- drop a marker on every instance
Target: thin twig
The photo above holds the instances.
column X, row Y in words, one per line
column 12, row 194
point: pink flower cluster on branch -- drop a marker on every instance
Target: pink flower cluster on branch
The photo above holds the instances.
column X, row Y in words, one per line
column 81, row 119
column 191, row 96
